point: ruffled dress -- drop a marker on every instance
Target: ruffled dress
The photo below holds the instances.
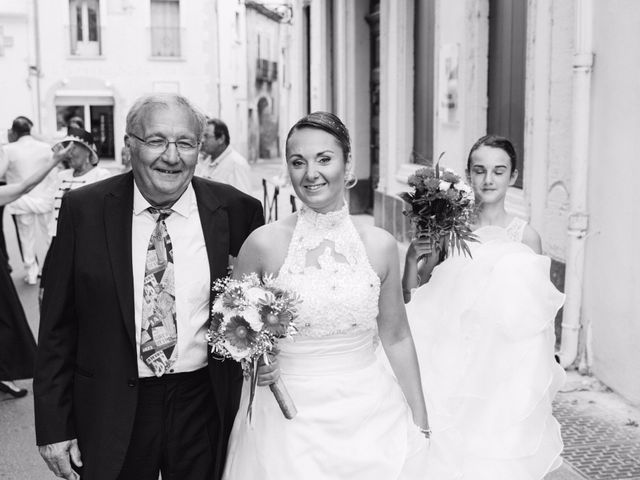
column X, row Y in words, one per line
column 17, row 345
column 484, row 332
column 353, row 422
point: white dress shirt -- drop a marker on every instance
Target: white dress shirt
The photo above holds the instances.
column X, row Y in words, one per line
column 230, row 168
column 192, row 277
column 23, row 158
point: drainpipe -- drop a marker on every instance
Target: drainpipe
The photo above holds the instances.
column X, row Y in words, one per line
column 578, row 217
column 36, row 24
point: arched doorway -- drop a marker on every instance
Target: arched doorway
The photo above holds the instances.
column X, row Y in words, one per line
column 268, row 130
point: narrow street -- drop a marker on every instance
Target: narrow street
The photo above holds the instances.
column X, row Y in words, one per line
column 600, row 430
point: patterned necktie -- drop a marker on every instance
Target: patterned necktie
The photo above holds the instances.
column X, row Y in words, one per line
column 159, row 333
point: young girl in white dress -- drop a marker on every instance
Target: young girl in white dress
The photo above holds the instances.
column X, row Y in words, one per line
column 355, row 420
column 484, row 332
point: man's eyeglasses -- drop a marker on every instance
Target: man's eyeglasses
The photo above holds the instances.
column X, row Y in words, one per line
column 160, row 144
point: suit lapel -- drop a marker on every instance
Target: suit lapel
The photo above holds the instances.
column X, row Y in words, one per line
column 118, row 211
column 215, row 227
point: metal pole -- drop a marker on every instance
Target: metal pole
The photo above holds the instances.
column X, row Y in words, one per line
column 36, row 23
column 578, row 217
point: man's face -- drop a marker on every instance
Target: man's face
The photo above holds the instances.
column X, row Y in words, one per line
column 11, row 135
column 210, row 144
column 162, row 176
column 78, row 157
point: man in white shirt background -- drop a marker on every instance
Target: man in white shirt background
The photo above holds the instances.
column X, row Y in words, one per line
column 24, row 156
column 219, row 161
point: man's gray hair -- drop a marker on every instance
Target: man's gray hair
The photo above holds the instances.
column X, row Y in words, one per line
column 164, row 100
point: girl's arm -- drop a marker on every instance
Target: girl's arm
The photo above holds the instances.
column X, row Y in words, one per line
column 417, row 273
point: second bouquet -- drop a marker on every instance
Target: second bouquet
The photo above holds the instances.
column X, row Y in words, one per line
column 248, row 317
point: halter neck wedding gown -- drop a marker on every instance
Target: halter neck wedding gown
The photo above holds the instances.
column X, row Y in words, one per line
column 353, row 421
column 484, row 332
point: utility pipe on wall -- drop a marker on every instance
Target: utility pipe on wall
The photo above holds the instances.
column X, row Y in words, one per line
column 36, row 24
column 578, row 217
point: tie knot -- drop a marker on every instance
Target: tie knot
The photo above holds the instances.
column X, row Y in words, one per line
column 161, row 213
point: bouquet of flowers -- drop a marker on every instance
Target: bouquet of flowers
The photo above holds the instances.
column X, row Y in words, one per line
column 441, row 206
column 248, row 317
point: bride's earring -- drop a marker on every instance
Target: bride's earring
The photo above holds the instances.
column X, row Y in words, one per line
column 350, row 179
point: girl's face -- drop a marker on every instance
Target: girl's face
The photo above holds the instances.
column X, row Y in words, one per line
column 317, row 167
column 490, row 174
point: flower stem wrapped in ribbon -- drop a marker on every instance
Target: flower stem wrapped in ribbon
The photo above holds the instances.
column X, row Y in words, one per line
column 441, row 206
column 248, row 317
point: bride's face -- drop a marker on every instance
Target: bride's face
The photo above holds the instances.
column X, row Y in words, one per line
column 317, row 166
column 490, row 174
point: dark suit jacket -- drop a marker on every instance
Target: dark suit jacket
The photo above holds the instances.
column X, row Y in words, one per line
column 85, row 384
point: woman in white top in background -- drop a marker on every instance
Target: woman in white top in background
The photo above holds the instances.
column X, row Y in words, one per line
column 484, row 332
column 82, row 158
column 83, row 168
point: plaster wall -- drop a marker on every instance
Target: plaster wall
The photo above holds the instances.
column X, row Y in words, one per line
column 612, row 267
column 17, row 82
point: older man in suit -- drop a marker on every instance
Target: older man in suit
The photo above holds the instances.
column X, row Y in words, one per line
column 124, row 388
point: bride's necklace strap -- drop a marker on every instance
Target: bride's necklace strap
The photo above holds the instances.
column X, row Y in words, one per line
column 324, row 220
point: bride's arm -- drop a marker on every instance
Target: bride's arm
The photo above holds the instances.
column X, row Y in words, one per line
column 393, row 327
column 259, row 254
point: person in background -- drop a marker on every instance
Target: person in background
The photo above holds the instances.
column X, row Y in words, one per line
column 220, row 161
column 83, row 168
column 3, row 243
column 23, row 157
column 17, row 345
column 82, row 159
column 76, row 122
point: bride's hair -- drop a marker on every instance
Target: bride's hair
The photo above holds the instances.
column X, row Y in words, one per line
column 328, row 122
column 495, row 141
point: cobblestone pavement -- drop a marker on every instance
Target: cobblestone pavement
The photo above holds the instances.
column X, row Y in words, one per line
column 600, row 430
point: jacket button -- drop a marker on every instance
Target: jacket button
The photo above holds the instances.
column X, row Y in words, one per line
column 132, row 382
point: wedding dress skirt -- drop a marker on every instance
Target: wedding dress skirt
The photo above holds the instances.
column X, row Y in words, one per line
column 484, row 332
column 353, row 422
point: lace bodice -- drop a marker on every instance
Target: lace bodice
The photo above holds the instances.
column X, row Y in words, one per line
column 327, row 265
column 515, row 229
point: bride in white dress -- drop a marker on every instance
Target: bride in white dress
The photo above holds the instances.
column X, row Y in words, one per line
column 355, row 420
column 484, row 332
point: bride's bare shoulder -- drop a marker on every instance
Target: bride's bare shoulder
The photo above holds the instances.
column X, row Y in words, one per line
column 266, row 248
column 380, row 245
column 271, row 234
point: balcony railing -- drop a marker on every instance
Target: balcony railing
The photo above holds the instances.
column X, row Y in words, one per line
column 266, row 71
column 166, row 41
column 85, row 43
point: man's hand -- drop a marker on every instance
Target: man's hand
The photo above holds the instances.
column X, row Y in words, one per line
column 57, row 457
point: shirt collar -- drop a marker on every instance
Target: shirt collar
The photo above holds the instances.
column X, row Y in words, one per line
column 181, row 207
column 214, row 161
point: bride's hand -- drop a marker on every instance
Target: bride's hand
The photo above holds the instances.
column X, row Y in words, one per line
column 268, row 374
